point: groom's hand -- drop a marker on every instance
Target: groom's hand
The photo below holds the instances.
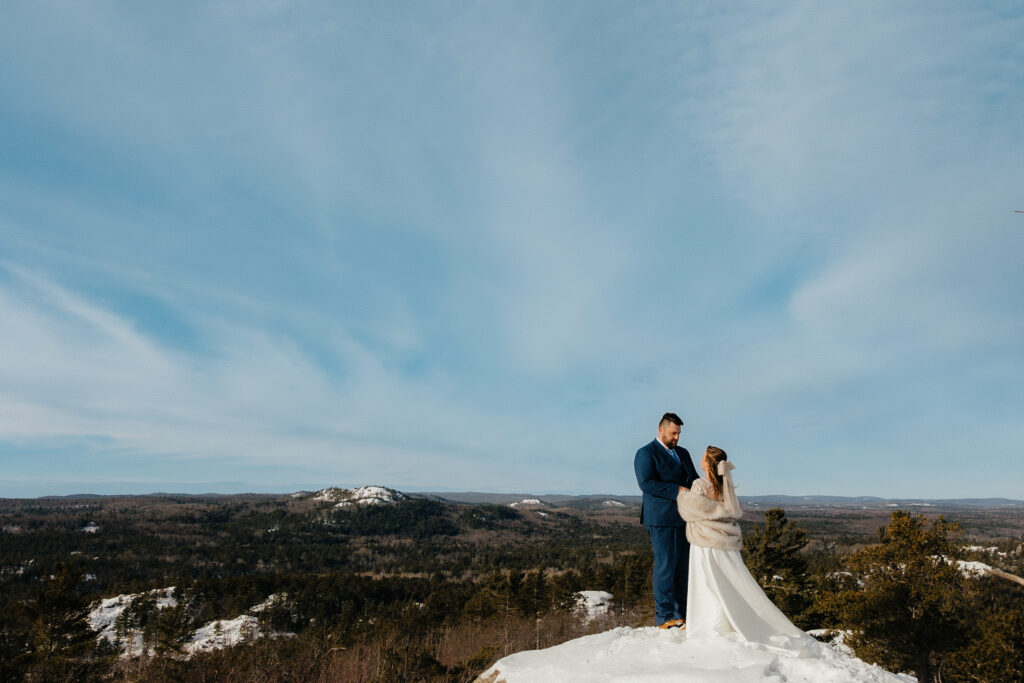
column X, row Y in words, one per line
column 682, row 488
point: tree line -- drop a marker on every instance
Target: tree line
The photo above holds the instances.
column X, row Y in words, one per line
column 424, row 598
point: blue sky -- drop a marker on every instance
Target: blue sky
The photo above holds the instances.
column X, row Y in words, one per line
column 277, row 245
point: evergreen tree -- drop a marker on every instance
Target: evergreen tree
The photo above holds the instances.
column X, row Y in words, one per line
column 13, row 647
column 533, row 597
column 901, row 603
column 773, row 554
column 996, row 653
column 489, row 599
column 564, row 589
column 993, row 652
column 136, row 616
column 168, row 630
column 59, row 611
column 60, row 637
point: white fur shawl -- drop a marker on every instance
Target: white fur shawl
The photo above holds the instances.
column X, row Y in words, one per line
column 712, row 523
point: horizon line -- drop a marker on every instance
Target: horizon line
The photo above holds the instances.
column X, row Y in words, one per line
column 442, row 493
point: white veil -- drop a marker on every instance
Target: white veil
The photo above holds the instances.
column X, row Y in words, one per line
column 729, row 499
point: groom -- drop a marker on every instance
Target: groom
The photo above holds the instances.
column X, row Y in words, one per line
column 663, row 469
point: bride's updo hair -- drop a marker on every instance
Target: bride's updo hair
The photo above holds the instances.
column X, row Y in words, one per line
column 715, row 455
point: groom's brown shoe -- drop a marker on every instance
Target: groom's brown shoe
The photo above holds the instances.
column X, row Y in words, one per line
column 674, row 623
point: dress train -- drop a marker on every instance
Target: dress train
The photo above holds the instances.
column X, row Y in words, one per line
column 722, row 596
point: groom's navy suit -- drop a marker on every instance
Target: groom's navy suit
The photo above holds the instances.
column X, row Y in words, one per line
column 660, row 476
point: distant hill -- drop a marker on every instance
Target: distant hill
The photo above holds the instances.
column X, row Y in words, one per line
column 366, row 495
column 784, row 501
column 477, row 498
column 876, row 502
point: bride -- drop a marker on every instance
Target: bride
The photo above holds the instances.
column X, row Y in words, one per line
column 723, row 596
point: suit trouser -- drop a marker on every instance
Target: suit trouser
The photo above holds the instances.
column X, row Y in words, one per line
column 671, row 571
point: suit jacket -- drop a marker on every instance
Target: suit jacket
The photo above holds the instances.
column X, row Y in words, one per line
column 659, row 478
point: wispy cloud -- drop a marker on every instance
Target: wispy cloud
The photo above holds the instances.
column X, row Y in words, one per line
column 483, row 248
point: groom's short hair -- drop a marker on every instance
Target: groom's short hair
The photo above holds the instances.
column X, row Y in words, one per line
column 670, row 417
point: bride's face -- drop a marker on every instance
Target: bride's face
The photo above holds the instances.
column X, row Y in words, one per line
column 706, row 467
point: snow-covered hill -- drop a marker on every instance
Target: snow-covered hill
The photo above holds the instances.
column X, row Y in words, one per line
column 365, row 495
column 526, row 502
column 650, row 655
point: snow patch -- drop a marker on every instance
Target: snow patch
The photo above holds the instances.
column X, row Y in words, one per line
column 272, row 601
column 101, row 619
column 837, row 642
column 90, row 528
column 591, row 605
column 525, row 501
column 654, row 655
column 613, row 504
column 212, row 636
column 968, row 568
column 223, row 633
column 365, row 495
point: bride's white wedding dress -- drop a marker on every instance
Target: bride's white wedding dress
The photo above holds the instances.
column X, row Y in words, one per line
column 722, row 596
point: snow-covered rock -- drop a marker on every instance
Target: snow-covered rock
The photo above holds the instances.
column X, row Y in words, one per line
column 365, row 495
column 102, row 617
column 271, row 601
column 650, row 655
column 592, row 605
column 223, row 633
column 969, row 568
column 525, row 502
column 991, row 549
column 212, row 636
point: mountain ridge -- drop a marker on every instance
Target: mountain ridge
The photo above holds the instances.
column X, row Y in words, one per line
column 498, row 498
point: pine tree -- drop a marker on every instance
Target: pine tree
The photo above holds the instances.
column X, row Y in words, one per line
column 993, row 652
column 902, row 600
column 169, row 629
column 533, row 596
column 564, row 589
column 59, row 626
column 773, row 556
column 60, row 637
column 996, row 652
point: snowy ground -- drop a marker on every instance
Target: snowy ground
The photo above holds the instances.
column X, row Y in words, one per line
column 651, row 655
column 223, row 633
column 212, row 636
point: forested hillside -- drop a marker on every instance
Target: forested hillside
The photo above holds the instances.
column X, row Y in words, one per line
column 324, row 587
